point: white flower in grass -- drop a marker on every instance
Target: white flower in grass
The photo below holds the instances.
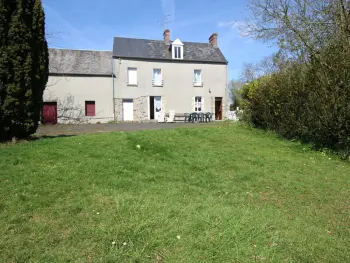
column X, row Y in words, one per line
column 138, row 146
column 178, row 237
column 97, row 213
column 113, row 243
column 124, row 244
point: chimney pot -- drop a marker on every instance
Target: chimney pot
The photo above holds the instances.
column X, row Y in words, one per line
column 166, row 36
column 213, row 39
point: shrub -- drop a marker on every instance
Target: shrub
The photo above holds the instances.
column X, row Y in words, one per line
column 310, row 102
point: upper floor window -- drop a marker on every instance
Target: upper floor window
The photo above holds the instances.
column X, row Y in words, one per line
column 157, row 77
column 178, row 52
column 197, row 77
column 132, row 76
column 177, row 49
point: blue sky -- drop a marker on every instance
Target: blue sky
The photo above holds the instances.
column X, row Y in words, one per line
column 92, row 24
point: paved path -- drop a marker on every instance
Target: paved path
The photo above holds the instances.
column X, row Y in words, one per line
column 57, row 130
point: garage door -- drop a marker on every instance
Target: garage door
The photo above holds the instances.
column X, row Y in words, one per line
column 128, row 110
column 49, row 113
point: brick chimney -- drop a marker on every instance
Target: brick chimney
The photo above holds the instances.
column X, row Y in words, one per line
column 166, row 35
column 213, row 40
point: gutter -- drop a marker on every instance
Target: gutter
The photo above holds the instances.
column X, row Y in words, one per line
column 173, row 60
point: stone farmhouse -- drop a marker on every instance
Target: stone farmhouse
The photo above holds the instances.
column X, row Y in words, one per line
column 136, row 81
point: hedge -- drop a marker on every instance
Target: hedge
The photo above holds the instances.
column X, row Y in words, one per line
column 307, row 101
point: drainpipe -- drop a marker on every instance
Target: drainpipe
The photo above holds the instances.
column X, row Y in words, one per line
column 113, row 88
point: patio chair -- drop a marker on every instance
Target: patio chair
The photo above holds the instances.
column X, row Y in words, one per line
column 201, row 117
column 161, row 117
column 208, row 117
column 194, row 117
column 187, row 117
column 171, row 116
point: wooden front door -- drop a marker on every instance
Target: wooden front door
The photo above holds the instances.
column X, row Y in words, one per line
column 218, row 108
column 49, row 113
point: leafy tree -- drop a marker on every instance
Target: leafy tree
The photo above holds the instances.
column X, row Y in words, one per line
column 235, row 93
column 23, row 66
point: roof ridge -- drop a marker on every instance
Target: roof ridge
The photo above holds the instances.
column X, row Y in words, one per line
column 70, row 49
column 160, row 40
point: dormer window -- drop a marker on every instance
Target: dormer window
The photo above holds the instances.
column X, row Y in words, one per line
column 177, row 52
column 177, row 49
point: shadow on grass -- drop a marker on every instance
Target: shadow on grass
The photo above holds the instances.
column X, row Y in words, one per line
column 39, row 137
column 35, row 138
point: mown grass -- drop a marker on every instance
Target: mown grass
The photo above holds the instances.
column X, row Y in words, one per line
column 215, row 194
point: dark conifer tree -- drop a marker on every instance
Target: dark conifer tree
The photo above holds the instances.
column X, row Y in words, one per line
column 23, row 66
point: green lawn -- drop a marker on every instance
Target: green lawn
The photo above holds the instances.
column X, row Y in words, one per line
column 215, row 194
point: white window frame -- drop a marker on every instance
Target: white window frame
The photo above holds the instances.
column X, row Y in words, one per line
column 161, row 77
column 178, row 52
column 196, row 108
column 199, row 82
column 177, row 49
column 128, row 76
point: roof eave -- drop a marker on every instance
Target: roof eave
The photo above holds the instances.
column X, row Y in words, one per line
column 80, row 74
column 172, row 60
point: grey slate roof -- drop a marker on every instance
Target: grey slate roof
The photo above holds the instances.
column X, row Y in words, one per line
column 157, row 49
column 80, row 62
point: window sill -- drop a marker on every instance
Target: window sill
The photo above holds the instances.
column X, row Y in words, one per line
column 157, row 83
column 132, row 85
column 198, row 85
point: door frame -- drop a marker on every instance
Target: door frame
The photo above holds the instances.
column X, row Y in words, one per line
column 218, row 113
column 152, row 108
column 156, row 114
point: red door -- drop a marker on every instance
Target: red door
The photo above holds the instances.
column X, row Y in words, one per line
column 50, row 113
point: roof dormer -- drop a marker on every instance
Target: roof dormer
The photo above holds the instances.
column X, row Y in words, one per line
column 177, row 49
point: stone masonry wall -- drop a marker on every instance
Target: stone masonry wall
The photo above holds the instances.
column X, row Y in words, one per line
column 212, row 106
column 118, row 109
column 141, row 108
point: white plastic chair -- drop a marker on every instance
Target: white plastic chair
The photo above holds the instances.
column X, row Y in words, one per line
column 171, row 116
column 161, row 117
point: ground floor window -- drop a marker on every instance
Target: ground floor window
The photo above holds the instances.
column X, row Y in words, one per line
column 198, row 103
column 90, row 108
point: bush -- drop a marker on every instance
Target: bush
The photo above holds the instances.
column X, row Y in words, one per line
column 310, row 102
